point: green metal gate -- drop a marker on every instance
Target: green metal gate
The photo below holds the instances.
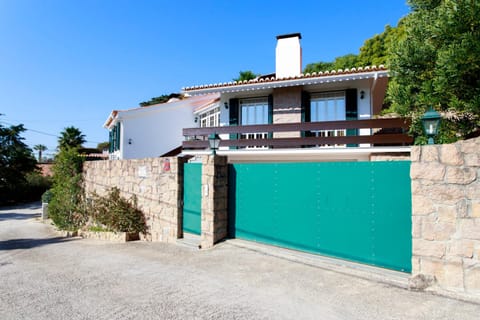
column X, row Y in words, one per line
column 192, row 197
column 360, row 211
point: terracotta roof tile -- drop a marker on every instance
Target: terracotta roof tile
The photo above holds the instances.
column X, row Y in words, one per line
column 352, row 71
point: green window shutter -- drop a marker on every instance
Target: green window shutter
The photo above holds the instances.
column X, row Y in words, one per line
column 351, row 111
column 270, row 108
column 118, row 136
column 306, row 111
column 270, row 113
column 110, row 140
column 234, row 117
column 234, row 113
column 114, row 137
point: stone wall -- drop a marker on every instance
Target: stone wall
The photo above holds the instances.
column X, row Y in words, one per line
column 214, row 200
column 446, row 216
column 157, row 184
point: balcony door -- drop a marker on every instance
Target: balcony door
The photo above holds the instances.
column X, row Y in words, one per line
column 254, row 111
column 328, row 106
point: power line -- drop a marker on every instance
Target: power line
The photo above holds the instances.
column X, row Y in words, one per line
column 42, row 132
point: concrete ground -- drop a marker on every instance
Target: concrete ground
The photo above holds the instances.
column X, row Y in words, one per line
column 44, row 276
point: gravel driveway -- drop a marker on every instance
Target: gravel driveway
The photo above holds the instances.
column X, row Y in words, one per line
column 44, row 276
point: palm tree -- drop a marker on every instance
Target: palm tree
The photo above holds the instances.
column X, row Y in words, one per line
column 40, row 148
column 245, row 75
column 71, row 137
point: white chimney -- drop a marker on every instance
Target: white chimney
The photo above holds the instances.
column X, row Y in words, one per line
column 288, row 61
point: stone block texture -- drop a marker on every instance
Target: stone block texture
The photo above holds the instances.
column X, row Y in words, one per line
column 446, row 216
column 287, row 108
column 214, row 200
column 156, row 182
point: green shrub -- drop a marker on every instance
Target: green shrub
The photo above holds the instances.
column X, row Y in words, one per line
column 97, row 229
column 66, row 207
column 27, row 190
column 47, row 196
column 36, row 186
column 117, row 213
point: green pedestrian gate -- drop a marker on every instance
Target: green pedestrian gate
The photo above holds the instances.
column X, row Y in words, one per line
column 360, row 211
column 192, row 197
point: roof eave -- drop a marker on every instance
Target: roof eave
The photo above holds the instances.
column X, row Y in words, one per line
column 301, row 81
column 111, row 117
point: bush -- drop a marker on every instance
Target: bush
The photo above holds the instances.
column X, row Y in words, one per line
column 47, row 196
column 66, row 205
column 36, row 186
column 115, row 213
column 28, row 190
column 69, row 209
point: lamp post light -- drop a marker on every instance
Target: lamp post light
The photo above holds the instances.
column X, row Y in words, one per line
column 214, row 142
column 431, row 122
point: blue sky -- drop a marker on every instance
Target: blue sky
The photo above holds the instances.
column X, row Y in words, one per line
column 70, row 62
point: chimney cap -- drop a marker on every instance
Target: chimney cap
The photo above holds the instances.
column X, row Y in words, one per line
column 290, row 35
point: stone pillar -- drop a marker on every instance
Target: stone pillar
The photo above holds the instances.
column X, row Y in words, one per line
column 214, row 200
column 446, row 217
column 176, row 166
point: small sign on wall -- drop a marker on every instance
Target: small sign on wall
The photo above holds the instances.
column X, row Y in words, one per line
column 142, row 172
column 166, row 165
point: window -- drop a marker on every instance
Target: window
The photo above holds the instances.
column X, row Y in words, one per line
column 254, row 111
column 328, row 106
column 115, row 138
column 210, row 118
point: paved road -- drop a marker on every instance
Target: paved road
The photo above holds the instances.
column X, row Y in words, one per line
column 43, row 276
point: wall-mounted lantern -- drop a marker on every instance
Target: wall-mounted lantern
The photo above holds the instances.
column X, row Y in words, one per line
column 362, row 94
column 214, row 142
column 225, row 105
column 130, row 140
column 431, row 122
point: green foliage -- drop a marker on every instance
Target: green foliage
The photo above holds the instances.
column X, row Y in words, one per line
column 160, row 99
column 116, row 213
column 245, row 75
column 342, row 62
column 375, row 51
column 97, row 229
column 103, row 146
column 318, row 67
column 16, row 162
column 346, row 61
column 35, row 186
column 65, row 207
column 47, row 196
column 437, row 63
column 71, row 137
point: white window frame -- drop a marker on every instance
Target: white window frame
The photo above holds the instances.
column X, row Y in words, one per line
column 211, row 118
column 320, row 112
column 255, row 104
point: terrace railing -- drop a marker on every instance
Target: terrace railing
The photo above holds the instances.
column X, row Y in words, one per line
column 383, row 132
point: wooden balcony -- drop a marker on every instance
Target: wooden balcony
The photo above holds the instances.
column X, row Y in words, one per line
column 383, row 132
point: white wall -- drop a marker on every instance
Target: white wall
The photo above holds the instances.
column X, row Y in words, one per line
column 364, row 110
column 154, row 131
column 288, row 60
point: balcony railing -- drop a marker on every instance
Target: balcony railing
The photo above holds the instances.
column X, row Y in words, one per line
column 383, row 132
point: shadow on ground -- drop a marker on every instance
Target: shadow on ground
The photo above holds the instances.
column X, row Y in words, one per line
column 18, row 216
column 31, row 205
column 14, row 244
column 18, row 212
